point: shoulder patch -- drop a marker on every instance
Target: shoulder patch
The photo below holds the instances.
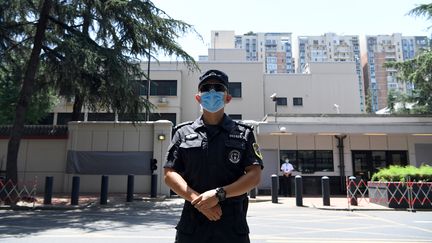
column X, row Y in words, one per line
column 180, row 126
column 244, row 125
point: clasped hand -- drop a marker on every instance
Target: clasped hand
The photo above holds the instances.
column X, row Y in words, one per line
column 207, row 204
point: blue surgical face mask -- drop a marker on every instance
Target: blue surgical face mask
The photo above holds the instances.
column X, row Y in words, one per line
column 212, row 101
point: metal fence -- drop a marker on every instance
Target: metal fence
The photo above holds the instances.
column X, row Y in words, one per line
column 14, row 193
column 411, row 194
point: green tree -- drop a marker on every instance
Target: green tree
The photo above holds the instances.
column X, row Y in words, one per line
column 28, row 83
column 44, row 98
column 391, row 100
column 40, row 104
column 109, row 37
column 397, row 102
column 423, row 10
column 368, row 101
column 418, row 71
column 87, row 48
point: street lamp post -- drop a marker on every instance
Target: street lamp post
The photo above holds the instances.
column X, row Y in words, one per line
column 216, row 34
column 282, row 131
column 274, row 97
column 148, row 86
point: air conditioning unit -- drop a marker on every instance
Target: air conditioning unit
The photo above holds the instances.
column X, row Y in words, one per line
column 163, row 100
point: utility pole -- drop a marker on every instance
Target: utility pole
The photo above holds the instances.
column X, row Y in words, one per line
column 148, row 86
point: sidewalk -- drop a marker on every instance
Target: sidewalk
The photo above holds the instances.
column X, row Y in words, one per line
column 62, row 202
column 336, row 203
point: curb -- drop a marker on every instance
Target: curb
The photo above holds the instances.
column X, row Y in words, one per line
column 112, row 202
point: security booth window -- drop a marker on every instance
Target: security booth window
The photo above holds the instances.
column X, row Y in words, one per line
column 309, row 161
column 306, row 160
column 324, row 160
column 291, row 155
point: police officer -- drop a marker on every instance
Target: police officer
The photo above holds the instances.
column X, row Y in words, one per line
column 212, row 163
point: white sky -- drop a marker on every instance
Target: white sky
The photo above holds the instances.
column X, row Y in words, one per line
column 300, row 17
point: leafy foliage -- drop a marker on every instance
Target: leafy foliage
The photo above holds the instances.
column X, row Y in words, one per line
column 402, row 174
column 92, row 49
column 424, row 10
column 88, row 49
column 418, row 71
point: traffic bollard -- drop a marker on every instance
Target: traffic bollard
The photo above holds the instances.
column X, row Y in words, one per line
column 325, row 185
column 104, row 190
column 153, row 189
column 48, row 190
column 274, row 188
column 252, row 193
column 352, row 188
column 130, row 188
column 299, row 190
column 75, row 190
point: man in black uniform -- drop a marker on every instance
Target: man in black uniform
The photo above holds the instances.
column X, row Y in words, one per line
column 212, row 163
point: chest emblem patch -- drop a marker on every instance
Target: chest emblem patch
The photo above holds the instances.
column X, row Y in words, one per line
column 234, row 156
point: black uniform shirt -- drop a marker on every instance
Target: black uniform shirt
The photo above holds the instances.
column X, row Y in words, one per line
column 212, row 156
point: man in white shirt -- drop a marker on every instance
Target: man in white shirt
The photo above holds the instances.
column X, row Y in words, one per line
column 286, row 169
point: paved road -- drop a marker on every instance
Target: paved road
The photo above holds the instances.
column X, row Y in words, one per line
column 154, row 222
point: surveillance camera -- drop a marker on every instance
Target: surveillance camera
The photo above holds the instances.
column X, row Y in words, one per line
column 336, row 105
column 273, row 96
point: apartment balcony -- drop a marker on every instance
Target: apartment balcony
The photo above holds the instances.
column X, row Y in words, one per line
column 388, row 57
column 269, row 44
column 343, row 50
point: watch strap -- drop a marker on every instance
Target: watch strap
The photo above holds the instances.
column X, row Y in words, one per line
column 220, row 194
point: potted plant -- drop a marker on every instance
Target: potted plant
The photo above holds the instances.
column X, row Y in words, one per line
column 402, row 187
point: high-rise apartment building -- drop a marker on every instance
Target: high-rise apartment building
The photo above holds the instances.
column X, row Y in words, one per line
column 274, row 50
column 379, row 80
column 331, row 48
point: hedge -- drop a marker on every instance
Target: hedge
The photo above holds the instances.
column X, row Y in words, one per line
column 403, row 174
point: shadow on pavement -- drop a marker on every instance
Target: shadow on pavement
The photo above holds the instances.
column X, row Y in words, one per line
column 115, row 215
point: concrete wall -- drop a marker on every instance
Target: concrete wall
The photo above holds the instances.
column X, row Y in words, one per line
column 39, row 158
column 326, row 85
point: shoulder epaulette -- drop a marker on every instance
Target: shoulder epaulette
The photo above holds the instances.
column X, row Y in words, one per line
column 174, row 129
column 182, row 125
column 244, row 125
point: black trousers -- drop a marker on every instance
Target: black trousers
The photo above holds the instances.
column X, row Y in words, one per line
column 286, row 185
column 194, row 227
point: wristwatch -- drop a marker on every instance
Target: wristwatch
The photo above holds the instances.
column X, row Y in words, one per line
column 220, row 194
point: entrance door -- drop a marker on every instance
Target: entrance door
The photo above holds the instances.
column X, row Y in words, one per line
column 367, row 163
column 361, row 164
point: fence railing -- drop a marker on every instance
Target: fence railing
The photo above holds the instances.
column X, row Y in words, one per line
column 411, row 194
column 13, row 193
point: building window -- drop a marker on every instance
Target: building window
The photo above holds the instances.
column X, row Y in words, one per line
column 324, row 160
column 309, row 161
column 282, row 101
column 236, row 117
column 306, row 161
column 297, row 101
column 235, row 89
column 160, row 87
